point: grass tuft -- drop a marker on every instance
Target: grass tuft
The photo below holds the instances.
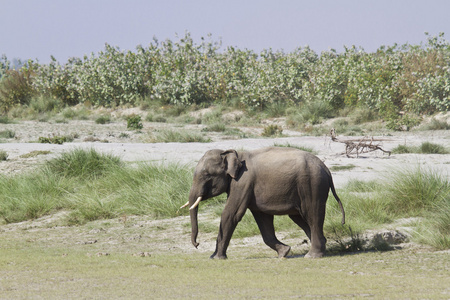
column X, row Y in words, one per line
column 83, row 164
column 179, row 136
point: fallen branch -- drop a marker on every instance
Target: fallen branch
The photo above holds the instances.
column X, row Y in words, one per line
column 363, row 145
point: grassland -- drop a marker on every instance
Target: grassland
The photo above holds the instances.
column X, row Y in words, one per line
column 88, row 224
column 105, row 259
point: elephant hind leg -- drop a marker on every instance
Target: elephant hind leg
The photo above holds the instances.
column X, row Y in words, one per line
column 298, row 219
column 265, row 224
column 314, row 234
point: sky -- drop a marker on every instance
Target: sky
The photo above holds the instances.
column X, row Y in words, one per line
column 38, row 29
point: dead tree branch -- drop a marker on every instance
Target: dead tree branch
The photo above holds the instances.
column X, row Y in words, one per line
column 363, row 145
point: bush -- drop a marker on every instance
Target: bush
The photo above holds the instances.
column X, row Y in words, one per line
column 103, row 119
column 3, row 155
column 134, row 122
column 15, row 89
column 432, row 148
column 435, row 124
column 272, row 130
column 7, row 134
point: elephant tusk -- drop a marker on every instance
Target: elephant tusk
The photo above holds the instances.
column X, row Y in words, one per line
column 196, row 203
column 186, row 204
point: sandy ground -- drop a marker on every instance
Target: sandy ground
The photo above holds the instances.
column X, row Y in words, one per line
column 131, row 146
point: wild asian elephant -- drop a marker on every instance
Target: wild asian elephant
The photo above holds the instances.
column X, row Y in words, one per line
column 268, row 181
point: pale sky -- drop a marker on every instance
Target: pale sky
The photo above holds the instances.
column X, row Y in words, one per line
column 36, row 29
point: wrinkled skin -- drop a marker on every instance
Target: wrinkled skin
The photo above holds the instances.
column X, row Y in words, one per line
column 269, row 181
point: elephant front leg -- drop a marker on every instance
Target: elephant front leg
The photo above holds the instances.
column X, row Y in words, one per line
column 265, row 224
column 229, row 220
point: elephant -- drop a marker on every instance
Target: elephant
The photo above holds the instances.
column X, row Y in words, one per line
column 267, row 181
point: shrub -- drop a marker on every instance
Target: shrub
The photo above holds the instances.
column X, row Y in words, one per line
column 3, row 155
column 103, row 119
column 134, row 122
column 424, row 148
column 435, row 124
column 217, row 127
column 15, row 89
column 272, row 130
column 7, row 134
column 55, row 139
column 432, row 148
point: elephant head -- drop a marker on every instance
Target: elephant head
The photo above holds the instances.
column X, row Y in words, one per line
column 212, row 177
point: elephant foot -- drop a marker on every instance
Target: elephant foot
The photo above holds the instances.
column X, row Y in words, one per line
column 283, row 251
column 216, row 256
column 312, row 254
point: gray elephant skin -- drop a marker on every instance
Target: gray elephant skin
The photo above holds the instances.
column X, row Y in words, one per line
column 268, row 181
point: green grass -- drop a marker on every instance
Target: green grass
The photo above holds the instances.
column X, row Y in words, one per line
column 342, row 168
column 35, row 153
column 61, row 272
column 405, row 193
column 272, row 130
column 178, row 136
column 91, row 186
column 424, row 148
column 3, row 155
column 7, row 134
column 289, row 145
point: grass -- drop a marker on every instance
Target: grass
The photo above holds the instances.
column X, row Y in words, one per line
column 35, row 153
column 64, row 273
column 342, row 168
column 91, row 186
column 289, row 145
column 7, row 134
column 272, row 130
column 424, row 148
column 177, row 136
column 39, row 258
column 3, row 155
column 435, row 124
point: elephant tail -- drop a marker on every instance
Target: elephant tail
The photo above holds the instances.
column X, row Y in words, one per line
column 333, row 190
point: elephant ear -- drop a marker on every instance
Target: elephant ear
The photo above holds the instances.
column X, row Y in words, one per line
column 231, row 162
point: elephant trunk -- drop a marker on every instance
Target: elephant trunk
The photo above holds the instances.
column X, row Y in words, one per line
column 193, row 212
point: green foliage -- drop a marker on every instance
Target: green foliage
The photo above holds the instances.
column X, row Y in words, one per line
column 411, row 78
column 402, row 123
column 435, row 124
column 104, row 119
column 3, row 155
column 342, row 168
column 83, row 164
column 15, row 89
column 59, row 140
column 134, row 122
column 289, row 145
column 7, row 134
column 177, row 136
column 424, row 148
column 272, row 130
column 410, row 191
column 93, row 186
